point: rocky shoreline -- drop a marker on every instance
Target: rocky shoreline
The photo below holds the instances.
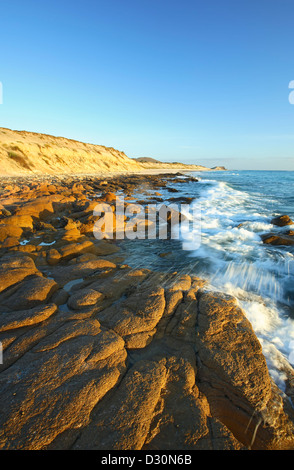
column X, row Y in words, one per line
column 98, row 354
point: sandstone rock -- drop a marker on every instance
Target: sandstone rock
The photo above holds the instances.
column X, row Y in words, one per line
column 10, row 241
column 185, row 424
column 278, row 239
column 151, row 391
column 63, row 379
column 124, row 428
column 139, row 313
column 109, row 197
column 139, row 340
column 43, row 207
column 21, row 318
column 60, row 297
column 234, row 376
column 181, row 282
column 99, row 248
column 53, row 257
column 12, row 188
column 10, row 231
column 14, row 269
column 4, row 212
column 282, row 220
column 23, row 221
column 72, row 250
column 89, row 269
column 28, row 293
column 84, row 298
column 116, row 287
column 121, row 358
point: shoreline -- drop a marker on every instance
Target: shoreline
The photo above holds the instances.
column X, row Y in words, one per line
column 27, row 153
column 83, row 333
column 109, row 174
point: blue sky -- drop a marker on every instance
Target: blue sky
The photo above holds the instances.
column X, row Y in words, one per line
column 195, row 81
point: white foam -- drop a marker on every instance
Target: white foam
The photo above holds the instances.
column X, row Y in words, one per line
column 237, row 262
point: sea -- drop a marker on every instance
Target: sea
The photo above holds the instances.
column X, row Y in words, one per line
column 236, row 209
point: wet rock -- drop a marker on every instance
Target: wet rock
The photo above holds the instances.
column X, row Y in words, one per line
column 282, row 220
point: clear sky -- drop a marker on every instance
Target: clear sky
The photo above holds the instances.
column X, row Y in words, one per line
column 197, row 81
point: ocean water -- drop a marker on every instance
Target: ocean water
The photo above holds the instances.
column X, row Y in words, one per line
column 236, row 208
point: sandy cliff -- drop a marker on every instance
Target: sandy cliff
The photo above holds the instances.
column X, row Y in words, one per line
column 25, row 153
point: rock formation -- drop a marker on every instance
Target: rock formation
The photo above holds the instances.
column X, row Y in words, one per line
column 100, row 355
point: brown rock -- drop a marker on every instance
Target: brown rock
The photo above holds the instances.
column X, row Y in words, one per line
column 84, row 298
column 10, row 231
column 109, row 197
column 139, row 313
column 278, row 239
column 21, row 318
column 91, row 270
column 234, row 376
column 14, row 269
column 63, row 379
column 43, row 207
column 10, row 241
column 73, row 250
column 53, row 257
column 124, row 427
column 282, row 220
column 23, row 221
column 28, row 294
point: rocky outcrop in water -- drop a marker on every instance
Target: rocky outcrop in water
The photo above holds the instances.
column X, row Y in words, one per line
column 100, row 355
column 281, row 238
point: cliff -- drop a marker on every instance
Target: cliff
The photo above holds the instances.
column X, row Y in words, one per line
column 29, row 153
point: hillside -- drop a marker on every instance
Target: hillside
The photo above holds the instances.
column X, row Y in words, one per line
column 28, row 153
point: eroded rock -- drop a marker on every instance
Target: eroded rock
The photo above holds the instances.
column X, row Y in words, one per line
column 282, row 220
column 235, row 378
column 63, row 380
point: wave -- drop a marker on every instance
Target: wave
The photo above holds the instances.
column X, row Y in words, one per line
column 234, row 259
